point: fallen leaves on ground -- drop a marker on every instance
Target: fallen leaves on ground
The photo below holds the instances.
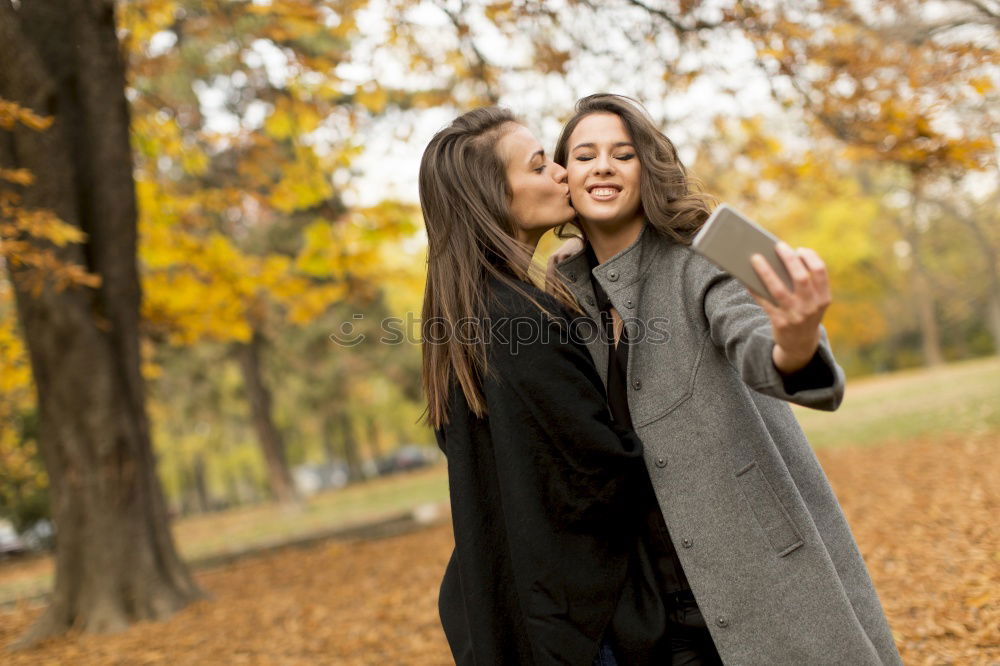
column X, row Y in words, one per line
column 924, row 514
column 925, row 517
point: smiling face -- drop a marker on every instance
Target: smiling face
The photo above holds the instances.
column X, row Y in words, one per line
column 604, row 174
column 539, row 194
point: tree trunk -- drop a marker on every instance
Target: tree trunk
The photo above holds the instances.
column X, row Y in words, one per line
column 930, row 334
column 994, row 320
column 115, row 558
column 203, row 501
column 250, row 489
column 233, row 495
column 354, row 471
column 271, row 443
column 374, row 438
column 329, row 451
column 992, row 278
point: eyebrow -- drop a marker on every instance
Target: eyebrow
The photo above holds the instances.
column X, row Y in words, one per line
column 593, row 145
column 537, row 153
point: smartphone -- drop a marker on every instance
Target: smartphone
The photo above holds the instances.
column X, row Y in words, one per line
column 728, row 239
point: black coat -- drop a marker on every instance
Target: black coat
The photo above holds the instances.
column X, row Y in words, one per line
column 538, row 490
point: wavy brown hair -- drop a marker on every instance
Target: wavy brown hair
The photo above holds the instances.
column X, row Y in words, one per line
column 671, row 201
column 465, row 199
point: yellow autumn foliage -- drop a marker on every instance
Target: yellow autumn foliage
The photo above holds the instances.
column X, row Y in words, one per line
column 301, row 186
column 144, row 19
column 12, row 113
column 19, row 464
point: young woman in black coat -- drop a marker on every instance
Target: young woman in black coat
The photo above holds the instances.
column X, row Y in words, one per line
column 540, row 476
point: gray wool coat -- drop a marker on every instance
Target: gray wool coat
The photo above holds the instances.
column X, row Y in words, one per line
column 765, row 546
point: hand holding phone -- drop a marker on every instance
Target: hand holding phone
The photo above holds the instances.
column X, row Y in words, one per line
column 791, row 286
column 728, row 239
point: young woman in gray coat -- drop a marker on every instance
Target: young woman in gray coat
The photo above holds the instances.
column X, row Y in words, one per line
column 751, row 528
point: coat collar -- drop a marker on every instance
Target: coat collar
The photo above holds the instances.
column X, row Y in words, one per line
column 620, row 277
column 618, row 272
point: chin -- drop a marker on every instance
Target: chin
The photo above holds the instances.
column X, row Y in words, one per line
column 604, row 220
column 609, row 219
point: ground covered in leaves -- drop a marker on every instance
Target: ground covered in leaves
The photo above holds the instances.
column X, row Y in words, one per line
column 924, row 513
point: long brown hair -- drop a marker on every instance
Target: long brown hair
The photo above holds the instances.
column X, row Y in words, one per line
column 671, row 200
column 465, row 199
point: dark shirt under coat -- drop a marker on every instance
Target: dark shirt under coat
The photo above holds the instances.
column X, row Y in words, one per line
column 639, row 630
column 654, row 530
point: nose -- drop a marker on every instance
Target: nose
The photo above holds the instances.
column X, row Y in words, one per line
column 558, row 173
column 602, row 164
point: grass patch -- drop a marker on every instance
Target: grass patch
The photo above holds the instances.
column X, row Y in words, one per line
column 238, row 529
column 961, row 398
column 243, row 528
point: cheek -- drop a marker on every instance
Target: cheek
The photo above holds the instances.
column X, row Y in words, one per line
column 575, row 186
column 635, row 177
column 533, row 196
column 575, row 175
column 517, row 200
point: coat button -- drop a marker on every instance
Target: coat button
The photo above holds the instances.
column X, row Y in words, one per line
column 687, row 543
column 636, row 384
column 661, row 462
column 629, row 303
column 722, row 621
column 571, row 276
column 613, row 275
column 590, row 300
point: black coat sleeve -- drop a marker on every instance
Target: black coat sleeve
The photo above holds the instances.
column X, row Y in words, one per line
column 539, row 494
column 564, row 474
column 548, row 409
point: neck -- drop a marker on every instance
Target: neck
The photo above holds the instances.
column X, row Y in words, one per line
column 530, row 237
column 609, row 242
column 528, row 240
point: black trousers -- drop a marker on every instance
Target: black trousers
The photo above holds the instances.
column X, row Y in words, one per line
column 690, row 643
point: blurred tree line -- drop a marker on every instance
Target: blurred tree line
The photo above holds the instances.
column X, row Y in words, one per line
column 203, row 153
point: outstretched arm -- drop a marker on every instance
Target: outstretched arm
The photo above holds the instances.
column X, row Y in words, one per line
column 780, row 349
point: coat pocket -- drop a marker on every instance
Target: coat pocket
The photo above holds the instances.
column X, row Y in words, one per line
column 768, row 510
column 668, row 378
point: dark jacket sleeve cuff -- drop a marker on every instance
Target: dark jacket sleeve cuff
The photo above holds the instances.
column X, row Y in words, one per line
column 816, row 374
column 823, row 390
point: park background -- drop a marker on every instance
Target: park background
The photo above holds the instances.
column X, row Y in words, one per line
column 218, row 467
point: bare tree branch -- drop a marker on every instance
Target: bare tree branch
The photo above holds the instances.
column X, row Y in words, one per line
column 672, row 21
column 991, row 13
column 480, row 66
